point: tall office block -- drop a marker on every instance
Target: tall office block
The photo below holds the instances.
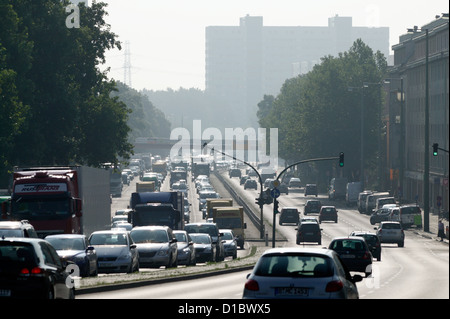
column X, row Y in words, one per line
column 245, row 62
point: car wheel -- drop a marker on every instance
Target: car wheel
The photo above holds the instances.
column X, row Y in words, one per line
column 401, row 244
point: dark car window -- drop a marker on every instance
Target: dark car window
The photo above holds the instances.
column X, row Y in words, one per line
column 391, row 226
column 312, row 227
column 347, row 244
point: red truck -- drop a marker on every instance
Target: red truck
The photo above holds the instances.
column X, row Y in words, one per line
column 61, row 200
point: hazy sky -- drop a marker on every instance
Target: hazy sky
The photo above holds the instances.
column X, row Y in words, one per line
column 167, row 37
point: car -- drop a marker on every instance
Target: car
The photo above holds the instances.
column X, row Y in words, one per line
column 380, row 215
column 234, row 172
column 312, row 206
column 311, row 189
column 361, row 203
column 119, row 218
column 122, row 224
column 230, row 243
column 328, row 213
column 76, row 248
column 309, row 231
column 391, row 232
column 115, row 250
column 204, row 195
column 243, row 179
column 157, row 246
column 307, row 219
column 294, row 182
column 186, row 249
column 302, row 273
column 354, row 252
column 211, row 229
column 250, row 183
column 289, row 215
column 122, row 212
column 205, row 249
column 17, row 229
column 31, row 268
column 372, row 241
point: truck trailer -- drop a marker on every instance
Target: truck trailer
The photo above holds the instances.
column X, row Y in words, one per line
column 231, row 218
column 62, row 200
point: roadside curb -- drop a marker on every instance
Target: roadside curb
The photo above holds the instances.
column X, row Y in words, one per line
column 249, row 261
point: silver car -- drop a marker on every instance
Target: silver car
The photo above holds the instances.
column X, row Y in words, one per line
column 157, row 246
column 391, row 232
column 115, row 250
column 304, row 273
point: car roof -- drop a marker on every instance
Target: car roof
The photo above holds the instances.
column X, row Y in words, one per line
column 22, row 239
column 363, row 232
column 110, row 231
column 14, row 224
column 151, row 227
column 66, row 236
column 348, row 237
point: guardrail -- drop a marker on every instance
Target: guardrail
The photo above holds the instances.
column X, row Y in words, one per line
column 251, row 214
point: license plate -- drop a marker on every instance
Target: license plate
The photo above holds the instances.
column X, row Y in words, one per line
column 5, row 293
column 348, row 256
column 309, row 234
column 291, row 291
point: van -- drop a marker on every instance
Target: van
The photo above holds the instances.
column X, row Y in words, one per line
column 353, row 190
column 361, row 203
column 337, row 188
column 407, row 215
column 371, row 201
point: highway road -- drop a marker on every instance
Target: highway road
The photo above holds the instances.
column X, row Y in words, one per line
column 419, row 270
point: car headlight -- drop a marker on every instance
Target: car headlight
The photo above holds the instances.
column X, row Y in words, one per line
column 163, row 252
column 124, row 257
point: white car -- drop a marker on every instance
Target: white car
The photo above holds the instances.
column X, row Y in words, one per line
column 391, row 232
column 303, row 273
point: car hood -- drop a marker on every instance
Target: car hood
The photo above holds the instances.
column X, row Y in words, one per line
column 106, row 250
column 152, row 246
column 70, row 253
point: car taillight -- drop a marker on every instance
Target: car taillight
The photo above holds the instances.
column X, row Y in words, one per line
column 252, row 285
column 366, row 255
column 34, row 271
column 334, row 286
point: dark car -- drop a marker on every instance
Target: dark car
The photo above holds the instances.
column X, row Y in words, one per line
column 380, row 215
column 250, row 183
column 186, row 249
column 354, row 253
column 205, row 249
column 309, row 231
column 289, row 215
column 312, row 206
column 31, row 268
column 76, row 248
column 328, row 213
column 234, row 172
column 311, row 189
column 211, row 229
column 372, row 241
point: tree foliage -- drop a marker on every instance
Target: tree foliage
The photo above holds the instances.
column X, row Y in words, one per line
column 318, row 116
column 56, row 105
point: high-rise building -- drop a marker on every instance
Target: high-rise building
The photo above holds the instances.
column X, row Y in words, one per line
column 245, row 62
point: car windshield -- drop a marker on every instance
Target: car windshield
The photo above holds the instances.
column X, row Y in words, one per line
column 108, row 239
column 181, row 237
column 66, row 243
column 294, row 265
column 207, row 229
column 143, row 236
column 201, row 239
column 227, row 236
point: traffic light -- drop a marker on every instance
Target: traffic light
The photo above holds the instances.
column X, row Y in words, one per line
column 435, row 149
column 275, row 207
column 341, row 159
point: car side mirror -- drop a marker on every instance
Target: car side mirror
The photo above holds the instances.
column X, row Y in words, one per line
column 356, row 278
column 133, row 246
